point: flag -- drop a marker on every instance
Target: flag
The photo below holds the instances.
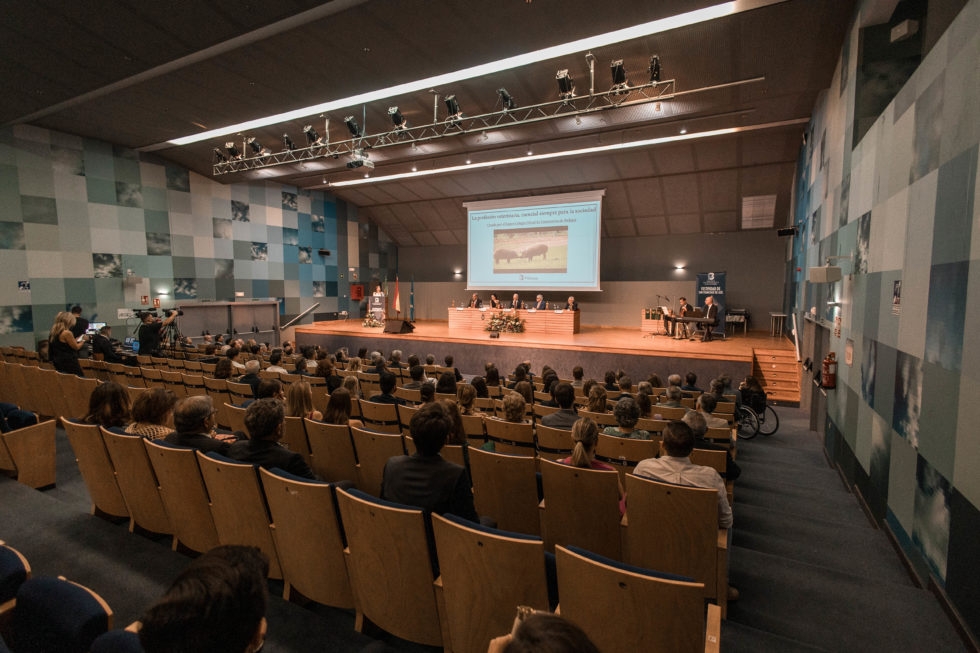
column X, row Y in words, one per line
column 398, row 302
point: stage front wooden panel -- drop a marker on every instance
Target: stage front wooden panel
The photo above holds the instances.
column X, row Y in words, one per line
column 475, row 319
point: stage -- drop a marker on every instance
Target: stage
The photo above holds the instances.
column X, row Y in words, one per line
column 596, row 349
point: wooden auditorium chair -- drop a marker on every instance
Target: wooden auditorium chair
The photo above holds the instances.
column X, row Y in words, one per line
column 331, row 451
column 137, row 482
column 184, row 495
column 505, row 487
column 581, row 508
column 373, row 451
column 29, row 454
column 96, row 468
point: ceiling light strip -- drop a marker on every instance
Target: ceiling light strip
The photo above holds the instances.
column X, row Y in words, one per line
column 567, row 153
column 618, row 36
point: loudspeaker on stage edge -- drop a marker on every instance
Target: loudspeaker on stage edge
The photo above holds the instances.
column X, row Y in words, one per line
column 399, row 326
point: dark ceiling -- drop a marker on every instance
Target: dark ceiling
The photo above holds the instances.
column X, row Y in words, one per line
column 140, row 73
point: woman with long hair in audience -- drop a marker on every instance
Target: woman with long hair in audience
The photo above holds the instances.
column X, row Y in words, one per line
column 585, row 435
column 325, row 370
column 352, row 385
column 526, row 390
column 223, row 369
column 480, row 385
column 153, row 414
column 299, row 401
column 598, row 400
column 355, row 365
column 108, row 406
column 465, row 397
column 446, row 385
column 645, row 404
column 62, row 345
column 339, row 408
column 655, row 381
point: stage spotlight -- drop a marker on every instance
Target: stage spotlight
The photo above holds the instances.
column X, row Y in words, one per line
column 352, row 127
column 506, row 99
column 312, row 137
column 232, row 150
column 452, row 108
column 654, row 69
column 218, row 156
column 288, row 143
column 618, row 73
column 257, row 147
column 566, row 89
column 397, row 119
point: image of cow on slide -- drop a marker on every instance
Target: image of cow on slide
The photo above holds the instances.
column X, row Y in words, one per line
column 534, row 249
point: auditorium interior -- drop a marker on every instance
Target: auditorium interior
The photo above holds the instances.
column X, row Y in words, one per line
column 819, row 156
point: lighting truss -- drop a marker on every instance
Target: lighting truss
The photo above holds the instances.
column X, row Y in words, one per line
column 546, row 111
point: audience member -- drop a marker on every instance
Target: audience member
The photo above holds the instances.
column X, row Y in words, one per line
column 520, row 374
column 625, row 387
column 223, row 369
column 706, row 405
column 449, row 360
column 251, row 375
column 526, row 390
column 446, row 385
column 339, row 409
column 386, row 383
column 108, row 406
column 465, row 396
column 195, row 425
column 12, row 418
column 598, row 400
column 325, row 370
column 269, row 389
column 674, row 379
column 644, row 404
column 153, row 414
column 514, row 407
column 234, row 354
column 627, row 413
column 690, row 383
column 264, row 421
column 275, row 358
column 216, row 605
column 427, row 393
column 696, row 421
column 577, row 375
column 353, row 386
column 299, row 401
column 480, row 385
column 543, row 632
column 63, row 346
column 655, row 381
column 611, row 381
column 673, row 395
column 566, row 417
column 417, row 374
column 676, row 467
column 425, row 479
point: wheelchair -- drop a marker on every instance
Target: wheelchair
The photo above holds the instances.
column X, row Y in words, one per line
column 756, row 416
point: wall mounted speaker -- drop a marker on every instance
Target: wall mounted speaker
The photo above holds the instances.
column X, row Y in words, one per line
column 825, row 274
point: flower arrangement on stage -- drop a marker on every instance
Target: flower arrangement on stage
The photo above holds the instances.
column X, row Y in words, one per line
column 507, row 323
column 371, row 321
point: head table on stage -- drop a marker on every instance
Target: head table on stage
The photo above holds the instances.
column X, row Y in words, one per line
column 547, row 321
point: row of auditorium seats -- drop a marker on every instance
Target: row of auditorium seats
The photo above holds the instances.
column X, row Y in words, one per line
column 45, row 614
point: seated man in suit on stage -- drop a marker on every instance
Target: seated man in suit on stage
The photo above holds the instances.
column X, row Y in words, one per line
column 387, row 383
column 710, row 319
column 195, row 425
column 571, row 304
column 539, row 303
column 515, row 302
column 426, row 479
column 566, row 417
column 264, row 420
column 475, row 301
column 669, row 325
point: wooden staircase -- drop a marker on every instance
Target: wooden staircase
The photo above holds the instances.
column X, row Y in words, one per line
column 779, row 373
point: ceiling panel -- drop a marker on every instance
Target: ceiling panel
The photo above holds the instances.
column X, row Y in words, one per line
column 142, row 73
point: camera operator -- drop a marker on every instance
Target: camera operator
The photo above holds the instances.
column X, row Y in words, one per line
column 151, row 332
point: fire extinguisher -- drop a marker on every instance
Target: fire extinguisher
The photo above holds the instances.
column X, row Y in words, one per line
column 828, row 376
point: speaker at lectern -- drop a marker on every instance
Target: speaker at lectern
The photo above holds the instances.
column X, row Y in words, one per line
column 376, row 307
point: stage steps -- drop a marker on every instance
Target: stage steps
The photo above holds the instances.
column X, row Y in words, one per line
column 779, row 373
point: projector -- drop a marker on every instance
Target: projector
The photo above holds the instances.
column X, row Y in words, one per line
column 360, row 163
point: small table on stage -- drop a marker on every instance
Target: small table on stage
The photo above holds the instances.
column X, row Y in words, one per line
column 549, row 321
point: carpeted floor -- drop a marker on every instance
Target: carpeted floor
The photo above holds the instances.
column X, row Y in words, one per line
column 813, row 573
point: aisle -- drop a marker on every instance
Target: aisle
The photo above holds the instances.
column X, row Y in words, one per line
column 814, row 575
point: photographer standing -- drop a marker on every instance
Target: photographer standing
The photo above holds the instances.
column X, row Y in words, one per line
column 150, row 332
